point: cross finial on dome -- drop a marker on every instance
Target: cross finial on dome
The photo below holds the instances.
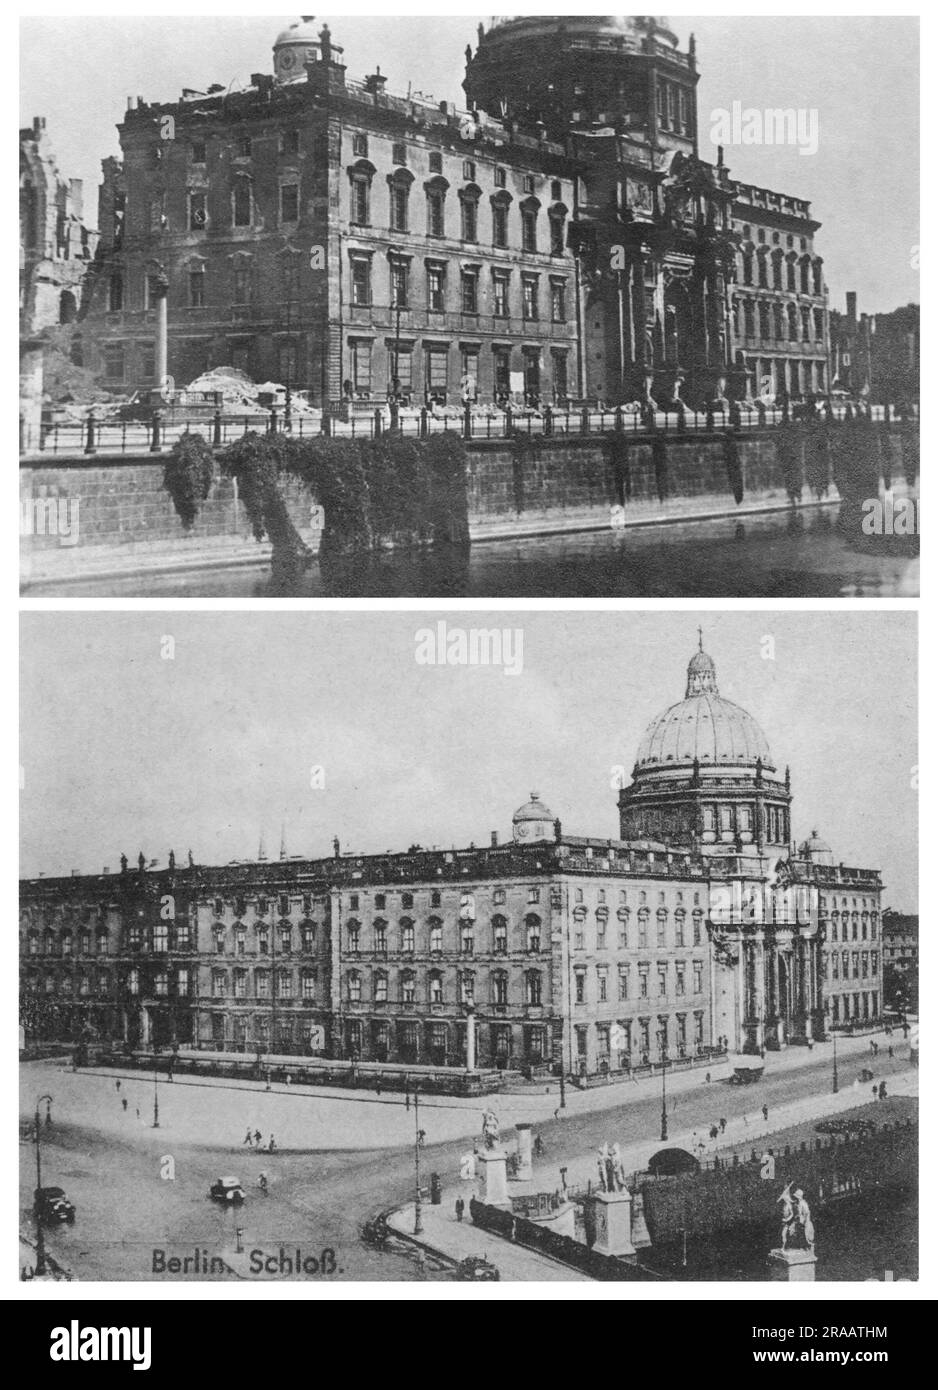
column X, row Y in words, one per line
column 700, row 639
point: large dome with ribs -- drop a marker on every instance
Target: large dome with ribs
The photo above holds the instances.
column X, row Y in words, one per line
column 703, row 727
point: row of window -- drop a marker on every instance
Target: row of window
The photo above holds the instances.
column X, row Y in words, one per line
column 400, row 214
column 472, row 297
column 641, row 980
column 437, row 367
column 685, row 932
column 856, row 926
column 532, row 988
column 855, row 965
column 403, row 158
column 776, row 237
column 178, row 983
column 845, row 1007
column 164, row 937
column 808, row 278
column 282, row 981
column 779, row 321
column 288, row 142
column 620, row 1040
column 405, row 936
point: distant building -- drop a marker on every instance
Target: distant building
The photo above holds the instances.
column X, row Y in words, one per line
column 56, row 245
column 878, row 355
column 56, row 250
column 560, row 240
column 701, row 929
column 900, row 960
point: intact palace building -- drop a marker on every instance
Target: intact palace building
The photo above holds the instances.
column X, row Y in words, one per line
column 562, row 239
column 702, row 927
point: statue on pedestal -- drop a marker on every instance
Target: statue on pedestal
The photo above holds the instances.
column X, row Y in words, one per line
column 797, row 1226
column 490, row 1129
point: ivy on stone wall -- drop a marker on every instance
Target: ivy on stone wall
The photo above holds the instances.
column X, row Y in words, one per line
column 734, row 472
column 375, row 494
column 188, row 476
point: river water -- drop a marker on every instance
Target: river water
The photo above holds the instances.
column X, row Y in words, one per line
column 785, row 554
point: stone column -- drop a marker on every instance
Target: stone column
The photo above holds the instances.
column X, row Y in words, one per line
column 159, row 289
column 525, row 1170
column 471, row 1040
column 759, row 1001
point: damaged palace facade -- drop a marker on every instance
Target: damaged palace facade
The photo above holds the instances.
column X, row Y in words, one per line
column 702, row 928
column 561, row 239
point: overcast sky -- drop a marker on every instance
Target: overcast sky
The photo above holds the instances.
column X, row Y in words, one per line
column 859, row 73
column 124, row 750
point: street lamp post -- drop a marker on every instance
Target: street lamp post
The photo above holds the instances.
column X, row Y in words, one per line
column 156, row 1097
column 40, row 1237
column 664, row 1095
column 418, row 1204
column 835, row 1084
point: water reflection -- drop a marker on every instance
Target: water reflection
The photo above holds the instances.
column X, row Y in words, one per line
column 794, row 553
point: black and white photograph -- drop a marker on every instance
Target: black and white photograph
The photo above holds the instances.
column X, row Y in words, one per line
column 549, row 306
column 479, row 946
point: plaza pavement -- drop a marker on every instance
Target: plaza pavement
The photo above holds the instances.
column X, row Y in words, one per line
column 216, row 1113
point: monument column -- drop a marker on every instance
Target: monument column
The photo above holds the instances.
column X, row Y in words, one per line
column 159, row 288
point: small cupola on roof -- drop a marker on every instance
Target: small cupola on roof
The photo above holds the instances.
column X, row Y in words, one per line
column 816, row 850
column 298, row 45
column 532, row 821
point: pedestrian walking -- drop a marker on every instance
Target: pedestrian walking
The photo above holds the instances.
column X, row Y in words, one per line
column 117, row 1085
column 707, row 1078
column 138, row 1112
column 124, row 1103
column 722, row 1126
column 262, row 1183
column 377, row 1085
column 257, row 1138
column 765, row 1113
column 271, row 1145
column 882, row 1090
column 248, row 1139
column 875, row 1091
column 460, row 1208
column 714, row 1132
column 890, row 1052
column 288, row 1078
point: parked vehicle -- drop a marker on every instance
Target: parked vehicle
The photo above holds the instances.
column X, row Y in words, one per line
column 226, row 1190
column 51, row 1204
column 473, row 1267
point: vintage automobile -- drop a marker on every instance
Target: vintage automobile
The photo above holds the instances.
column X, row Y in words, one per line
column 51, row 1204
column 226, row 1190
column 473, row 1267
